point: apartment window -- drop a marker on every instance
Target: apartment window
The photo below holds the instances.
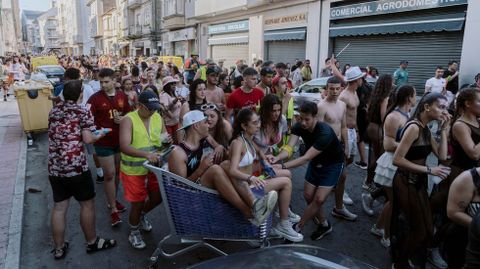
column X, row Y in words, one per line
column 173, row 7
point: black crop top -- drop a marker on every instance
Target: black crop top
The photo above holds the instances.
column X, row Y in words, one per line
column 421, row 147
column 460, row 158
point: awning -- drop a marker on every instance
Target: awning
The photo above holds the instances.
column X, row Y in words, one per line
column 436, row 25
column 286, row 34
column 228, row 40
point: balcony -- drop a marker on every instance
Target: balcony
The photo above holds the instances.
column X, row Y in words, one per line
column 133, row 4
column 174, row 22
column 135, row 31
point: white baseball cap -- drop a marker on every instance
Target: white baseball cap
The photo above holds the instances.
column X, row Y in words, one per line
column 192, row 117
column 353, row 73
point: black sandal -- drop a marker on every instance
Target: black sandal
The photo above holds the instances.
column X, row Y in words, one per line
column 100, row 244
column 60, row 253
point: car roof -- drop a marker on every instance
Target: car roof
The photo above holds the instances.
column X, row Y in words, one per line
column 49, row 66
column 318, row 81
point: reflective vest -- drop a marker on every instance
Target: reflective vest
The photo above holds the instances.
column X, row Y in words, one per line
column 203, row 73
column 141, row 140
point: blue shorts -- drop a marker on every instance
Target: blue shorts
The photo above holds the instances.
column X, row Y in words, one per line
column 106, row 151
column 324, row 175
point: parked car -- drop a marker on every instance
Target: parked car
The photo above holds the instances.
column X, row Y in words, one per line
column 283, row 257
column 309, row 91
column 54, row 73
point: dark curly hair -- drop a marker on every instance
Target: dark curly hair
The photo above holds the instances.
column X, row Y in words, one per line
column 382, row 90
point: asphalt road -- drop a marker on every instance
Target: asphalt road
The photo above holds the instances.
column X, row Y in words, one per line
column 349, row 238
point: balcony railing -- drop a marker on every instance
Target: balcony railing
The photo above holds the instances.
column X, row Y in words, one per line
column 135, row 31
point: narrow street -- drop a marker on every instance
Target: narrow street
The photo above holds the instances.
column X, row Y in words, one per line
column 350, row 238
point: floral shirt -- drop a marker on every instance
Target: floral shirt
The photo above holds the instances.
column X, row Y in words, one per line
column 66, row 121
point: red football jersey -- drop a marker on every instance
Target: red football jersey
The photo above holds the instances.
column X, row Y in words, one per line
column 103, row 109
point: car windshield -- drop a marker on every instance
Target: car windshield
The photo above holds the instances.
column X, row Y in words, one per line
column 52, row 69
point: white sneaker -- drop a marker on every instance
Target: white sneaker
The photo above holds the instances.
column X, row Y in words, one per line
column 343, row 213
column 287, row 232
column 436, row 259
column 377, row 231
column 367, row 203
column 262, row 207
column 136, row 240
column 346, row 199
column 292, row 217
column 145, row 224
column 385, row 242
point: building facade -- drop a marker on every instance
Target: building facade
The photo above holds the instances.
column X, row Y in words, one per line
column 277, row 30
column 72, row 21
column 10, row 27
column 179, row 33
column 382, row 33
column 49, row 37
column 31, row 31
column 144, row 23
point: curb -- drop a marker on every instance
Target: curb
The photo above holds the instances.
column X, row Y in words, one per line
column 12, row 259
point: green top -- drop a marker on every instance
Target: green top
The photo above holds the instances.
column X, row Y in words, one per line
column 400, row 76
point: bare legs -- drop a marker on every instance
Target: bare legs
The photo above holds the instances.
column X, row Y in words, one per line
column 87, row 221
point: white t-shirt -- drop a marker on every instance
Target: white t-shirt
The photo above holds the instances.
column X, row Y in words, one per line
column 87, row 92
column 95, row 84
column 436, row 85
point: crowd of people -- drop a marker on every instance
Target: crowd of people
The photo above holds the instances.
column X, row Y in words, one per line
column 236, row 131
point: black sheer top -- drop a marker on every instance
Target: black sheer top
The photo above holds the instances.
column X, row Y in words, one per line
column 460, row 158
column 421, row 147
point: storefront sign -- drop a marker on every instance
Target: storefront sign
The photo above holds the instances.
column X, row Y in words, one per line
column 231, row 27
column 388, row 6
column 293, row 19
column 181, row 35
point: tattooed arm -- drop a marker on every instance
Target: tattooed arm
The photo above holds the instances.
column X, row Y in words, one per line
column 461, row 193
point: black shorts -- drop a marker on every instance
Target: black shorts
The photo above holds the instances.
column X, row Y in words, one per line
column 80, row 187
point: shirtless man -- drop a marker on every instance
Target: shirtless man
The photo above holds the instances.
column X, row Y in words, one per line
column 333, row 113
column 349, row 96
column 214, row 93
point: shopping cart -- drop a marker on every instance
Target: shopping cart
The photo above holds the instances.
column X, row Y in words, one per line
column 196, row 214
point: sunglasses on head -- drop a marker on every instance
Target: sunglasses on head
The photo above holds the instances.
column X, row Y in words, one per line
column 209, row 106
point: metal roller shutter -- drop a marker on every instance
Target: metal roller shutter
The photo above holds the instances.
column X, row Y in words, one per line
column 230, row 53
column 285, row 51
column 423, row 52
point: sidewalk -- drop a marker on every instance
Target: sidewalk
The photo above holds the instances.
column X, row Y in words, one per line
column 12, row 182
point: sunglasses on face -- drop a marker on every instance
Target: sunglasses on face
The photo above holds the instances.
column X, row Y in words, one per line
column 209, row 106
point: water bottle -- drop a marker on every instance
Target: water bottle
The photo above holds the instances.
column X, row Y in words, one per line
column 104, row 130
column 207, row 151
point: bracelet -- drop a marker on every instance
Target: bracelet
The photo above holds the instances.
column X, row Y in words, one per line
column 283, row 166
column 249, row 179
column 429, row 170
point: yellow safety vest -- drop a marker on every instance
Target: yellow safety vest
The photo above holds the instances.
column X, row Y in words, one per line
column 203, row 73
column 290, row 109
column 143, row 141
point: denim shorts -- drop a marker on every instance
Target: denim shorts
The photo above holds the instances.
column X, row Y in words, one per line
column 324, row 175
column 106, row 151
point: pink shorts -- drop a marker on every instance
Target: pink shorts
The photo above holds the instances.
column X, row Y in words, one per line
column 136, row 188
